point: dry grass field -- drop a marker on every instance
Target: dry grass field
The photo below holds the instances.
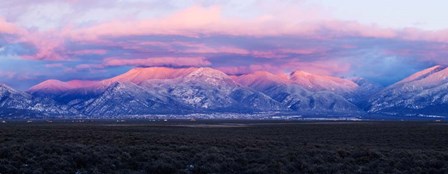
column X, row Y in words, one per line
column 224, row 147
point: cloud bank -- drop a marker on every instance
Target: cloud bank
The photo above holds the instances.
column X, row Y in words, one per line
column 80, row 39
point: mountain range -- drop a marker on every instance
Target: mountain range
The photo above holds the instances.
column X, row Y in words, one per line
column 161, row 90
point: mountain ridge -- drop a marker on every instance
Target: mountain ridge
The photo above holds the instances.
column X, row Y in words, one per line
column 156, row 90
column 415, row 94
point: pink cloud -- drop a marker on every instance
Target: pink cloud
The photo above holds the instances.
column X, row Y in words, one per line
column 305, row 51
column 17, row 76
column 49, row 46
column 426, row 52
column 9, row 28
column 191, row 20
column 268, row 54
column 91, row 68
column 161, row 61
column 204, row 49
column 199, row 20
column 275, row 53
column 89, row 52
column 327, row 67
column 251, row 68
column 323, row 67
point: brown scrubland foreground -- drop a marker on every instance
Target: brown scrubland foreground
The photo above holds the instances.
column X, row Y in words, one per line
column 224, row 147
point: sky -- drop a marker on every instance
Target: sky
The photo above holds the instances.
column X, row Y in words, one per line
column 382, row 41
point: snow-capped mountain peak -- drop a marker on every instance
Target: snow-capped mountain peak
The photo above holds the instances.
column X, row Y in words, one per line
column 430, row 77
column 139, row 75
column 422, row 92
column 423, row 74
column 50, row 85
column 208, row 75
column 186, row 90
column 261, row 79
column 315, row 82
column 5, row 88
column 55, row 86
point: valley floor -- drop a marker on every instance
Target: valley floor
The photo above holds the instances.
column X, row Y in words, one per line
column 224, row 147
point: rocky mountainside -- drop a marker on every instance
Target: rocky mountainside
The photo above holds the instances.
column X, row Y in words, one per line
column 18, row 103
column 296, row 93
column 315, row 82
column 159, row 90
column 425, row 92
